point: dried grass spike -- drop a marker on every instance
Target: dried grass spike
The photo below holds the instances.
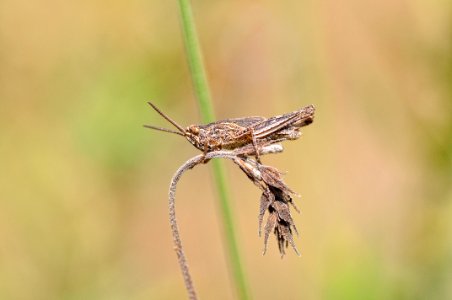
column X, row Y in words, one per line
column 269, row 227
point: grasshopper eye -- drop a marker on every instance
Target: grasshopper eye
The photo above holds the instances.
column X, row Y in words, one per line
column 193, row 129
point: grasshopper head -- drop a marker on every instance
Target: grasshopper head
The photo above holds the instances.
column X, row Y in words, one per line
column 194, row 135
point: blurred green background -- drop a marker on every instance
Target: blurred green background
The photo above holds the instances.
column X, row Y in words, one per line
column 83, row 187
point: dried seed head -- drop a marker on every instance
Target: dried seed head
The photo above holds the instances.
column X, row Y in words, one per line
column 276, row 199
column 279, row 211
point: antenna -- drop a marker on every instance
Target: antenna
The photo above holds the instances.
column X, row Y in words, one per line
column 163, row 129
column 168, row 119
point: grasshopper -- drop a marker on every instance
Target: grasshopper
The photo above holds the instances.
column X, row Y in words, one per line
column 232, row 134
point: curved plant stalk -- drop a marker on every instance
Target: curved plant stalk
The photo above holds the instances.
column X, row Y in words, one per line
column 237, row 157
column 202, row 92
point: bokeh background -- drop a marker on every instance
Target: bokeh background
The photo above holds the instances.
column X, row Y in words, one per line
column 83, row 187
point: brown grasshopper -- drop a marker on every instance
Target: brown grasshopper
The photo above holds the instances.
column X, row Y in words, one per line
column 232, row 134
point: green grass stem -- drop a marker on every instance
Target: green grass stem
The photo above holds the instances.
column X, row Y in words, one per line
column 202, row 93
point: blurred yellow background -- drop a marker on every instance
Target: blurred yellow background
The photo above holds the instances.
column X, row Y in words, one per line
column 83, row 186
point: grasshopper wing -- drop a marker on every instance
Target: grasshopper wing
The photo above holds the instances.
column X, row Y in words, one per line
column 295, row 119
column 242, row 122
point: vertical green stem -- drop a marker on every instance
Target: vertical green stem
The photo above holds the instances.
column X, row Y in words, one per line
column 195, row 61
column 202, row 92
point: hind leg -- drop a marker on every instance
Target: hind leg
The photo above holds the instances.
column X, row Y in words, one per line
column 254, row 141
